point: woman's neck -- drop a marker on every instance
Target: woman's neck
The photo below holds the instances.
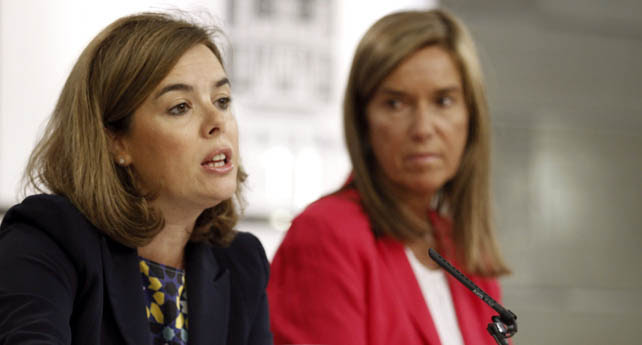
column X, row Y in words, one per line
column 417, row 203
column 420, row 247
column 168, row 246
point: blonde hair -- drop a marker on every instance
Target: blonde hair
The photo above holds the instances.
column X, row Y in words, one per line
column 466, row 197
column 114, row 74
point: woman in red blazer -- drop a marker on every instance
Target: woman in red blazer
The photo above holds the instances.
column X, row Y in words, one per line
column 353, row 268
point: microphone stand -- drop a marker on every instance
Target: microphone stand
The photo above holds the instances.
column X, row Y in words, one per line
column 503, row 326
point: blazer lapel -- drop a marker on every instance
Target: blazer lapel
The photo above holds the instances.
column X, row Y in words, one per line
column 208, row 297
column 470, row 313
column 464, row 313
column 465, row 302
column 124, row 287
column 409, row 291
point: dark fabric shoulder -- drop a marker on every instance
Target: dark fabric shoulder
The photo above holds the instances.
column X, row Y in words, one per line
column 59, row 219
column 52, row 255
column 246, row 243
column 246, row 257
column 42, row 211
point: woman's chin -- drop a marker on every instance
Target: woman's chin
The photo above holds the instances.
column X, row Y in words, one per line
column 219, row 195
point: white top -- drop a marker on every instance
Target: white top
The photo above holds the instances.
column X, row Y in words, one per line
column 434, row 288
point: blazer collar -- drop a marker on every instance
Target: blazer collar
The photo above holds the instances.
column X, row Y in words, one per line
column 208, row 296
column 467, row 305
column 124, row 287
column 409, row 292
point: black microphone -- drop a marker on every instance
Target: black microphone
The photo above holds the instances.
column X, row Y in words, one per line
column 503, row 326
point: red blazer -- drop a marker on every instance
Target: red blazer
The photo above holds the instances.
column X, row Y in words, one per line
column 333, row 282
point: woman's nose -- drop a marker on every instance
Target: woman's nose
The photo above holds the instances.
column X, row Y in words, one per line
column 423, row 125
column 214, row 121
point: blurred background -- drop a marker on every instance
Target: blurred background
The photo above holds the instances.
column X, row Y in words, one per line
column 565, row 89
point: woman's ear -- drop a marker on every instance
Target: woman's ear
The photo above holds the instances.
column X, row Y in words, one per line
column 118, row 149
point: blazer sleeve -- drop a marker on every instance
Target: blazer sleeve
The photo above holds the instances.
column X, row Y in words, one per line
column 37, row 285
column 317, row 287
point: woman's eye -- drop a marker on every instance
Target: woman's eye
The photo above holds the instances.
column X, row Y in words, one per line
column 179, row 109
column 223, row 103
column 394, row 103
column 445, row 101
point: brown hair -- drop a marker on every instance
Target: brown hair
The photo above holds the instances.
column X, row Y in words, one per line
column 115, row 73
column 466, row 197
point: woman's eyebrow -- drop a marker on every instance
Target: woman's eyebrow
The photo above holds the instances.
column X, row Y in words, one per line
column 391, row 91
column 187, row 88
column 174, row 87
column 222, row 82
column 450, row 89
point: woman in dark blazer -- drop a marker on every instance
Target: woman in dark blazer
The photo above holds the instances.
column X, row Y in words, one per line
column 134, row 242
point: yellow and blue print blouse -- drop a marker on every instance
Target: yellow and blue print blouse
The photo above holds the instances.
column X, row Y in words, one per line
column 165, row 301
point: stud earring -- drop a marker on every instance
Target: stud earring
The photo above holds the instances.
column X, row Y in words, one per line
column 121, row 161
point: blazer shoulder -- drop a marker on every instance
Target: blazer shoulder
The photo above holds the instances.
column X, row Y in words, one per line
column 246, row 256
column 44, row 211
column 57, row 218
column 335, row 218
column 343, row 202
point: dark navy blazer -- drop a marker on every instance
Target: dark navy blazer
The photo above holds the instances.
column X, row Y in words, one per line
column 62, row 281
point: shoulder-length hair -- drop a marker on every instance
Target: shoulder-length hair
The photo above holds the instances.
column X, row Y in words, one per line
column 115, row 73
column 466, row 197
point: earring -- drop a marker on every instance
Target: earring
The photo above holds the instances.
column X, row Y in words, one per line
column 121, row 161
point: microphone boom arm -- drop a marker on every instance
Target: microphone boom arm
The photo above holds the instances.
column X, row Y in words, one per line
column 504, row 325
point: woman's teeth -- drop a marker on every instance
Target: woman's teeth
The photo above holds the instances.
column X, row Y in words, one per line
column 217, row 161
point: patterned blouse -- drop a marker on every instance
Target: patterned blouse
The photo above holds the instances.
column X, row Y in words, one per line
column 165, row 301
